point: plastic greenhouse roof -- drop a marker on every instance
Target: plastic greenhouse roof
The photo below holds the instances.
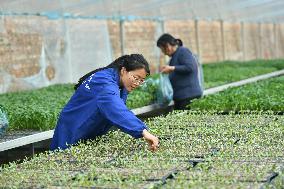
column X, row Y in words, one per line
column 228, row 10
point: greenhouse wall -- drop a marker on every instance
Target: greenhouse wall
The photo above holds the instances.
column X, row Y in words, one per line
column 37, row 51
column 280, row 40
column 232, row 41
column 210, row 41
column 185, row 30
column 140, row 37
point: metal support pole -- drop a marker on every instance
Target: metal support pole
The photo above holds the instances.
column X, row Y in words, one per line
column 275, row 51
column 197, row 41
column 259, row 54
column 161, row 58
column 121, row 29
column 223, row 40
column 243, row 40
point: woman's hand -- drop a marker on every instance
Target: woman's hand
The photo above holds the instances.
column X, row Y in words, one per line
column 152, row 140
column 167, row 69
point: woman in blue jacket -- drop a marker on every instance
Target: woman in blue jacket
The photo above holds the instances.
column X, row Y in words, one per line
column 99, row 102
column 182, row 70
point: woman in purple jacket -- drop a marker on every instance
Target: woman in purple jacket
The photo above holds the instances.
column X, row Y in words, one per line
column 99, row 102
column 182, row 70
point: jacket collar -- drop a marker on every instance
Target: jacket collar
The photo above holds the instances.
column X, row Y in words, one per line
column 176, row 52
column 123, row 91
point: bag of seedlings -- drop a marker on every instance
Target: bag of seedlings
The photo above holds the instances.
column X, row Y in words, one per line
column 3, row 121
column 165, row 90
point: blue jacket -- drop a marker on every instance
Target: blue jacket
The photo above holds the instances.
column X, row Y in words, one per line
column 184, row 78
column 95, row 106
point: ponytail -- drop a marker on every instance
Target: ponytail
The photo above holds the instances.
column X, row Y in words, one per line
column 168, row 39
column 130, row 62
column 179, row 42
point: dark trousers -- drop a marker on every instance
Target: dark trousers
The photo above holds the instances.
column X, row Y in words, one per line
column 182, row 104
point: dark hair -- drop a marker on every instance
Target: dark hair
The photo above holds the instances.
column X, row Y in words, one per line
column 168, row 38
column 130, row 62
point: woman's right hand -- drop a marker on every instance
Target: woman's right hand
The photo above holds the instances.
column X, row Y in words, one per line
column 152, row 140
column 167, row 69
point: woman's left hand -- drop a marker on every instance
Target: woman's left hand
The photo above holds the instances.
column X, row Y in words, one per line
column 167, row 69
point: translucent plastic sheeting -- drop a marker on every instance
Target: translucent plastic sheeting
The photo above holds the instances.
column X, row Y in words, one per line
column 40, row 51
column 228, row 10
column 89, row 46
column 57, row 41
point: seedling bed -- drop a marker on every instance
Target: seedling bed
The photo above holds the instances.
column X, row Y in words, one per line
column 230, row 150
